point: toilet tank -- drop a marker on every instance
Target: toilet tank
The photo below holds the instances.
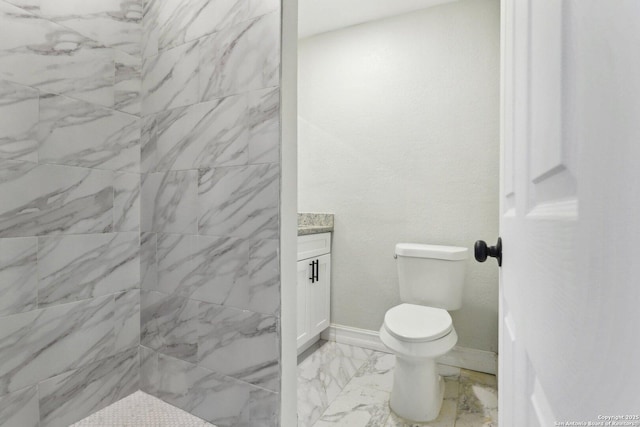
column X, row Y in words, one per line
column 431, row 275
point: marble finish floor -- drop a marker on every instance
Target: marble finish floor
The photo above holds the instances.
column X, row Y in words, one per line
column 342, row 385
column 141, row 410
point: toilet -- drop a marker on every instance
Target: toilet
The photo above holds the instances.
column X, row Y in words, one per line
column 419, row 330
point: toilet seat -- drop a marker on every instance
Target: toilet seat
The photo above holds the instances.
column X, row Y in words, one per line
column 417, row 323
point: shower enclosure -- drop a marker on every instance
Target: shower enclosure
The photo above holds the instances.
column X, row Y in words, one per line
column 139, row 208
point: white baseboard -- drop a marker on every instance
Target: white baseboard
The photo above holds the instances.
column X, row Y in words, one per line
column 460, row 357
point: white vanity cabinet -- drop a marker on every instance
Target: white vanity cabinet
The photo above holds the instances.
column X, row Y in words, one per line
column 314, row 287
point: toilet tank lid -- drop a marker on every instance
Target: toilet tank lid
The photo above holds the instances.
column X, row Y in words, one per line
column 417, row 250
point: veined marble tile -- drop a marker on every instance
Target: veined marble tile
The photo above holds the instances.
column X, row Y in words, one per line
column 208, row 134
column 221, row 400
column 18, row 122
column 240, row 344
column 148, row 263
column 48, row 56
column 262, row 292
column 322, row 376
column 148, row 144
column 77, row 133
column 128, row 83
column 169, row 202
column 171, row 23
column 150, row 31
column 127, row 320
column 169, row 325
column 29, row 5
column 376, row 373
column 170, row 79
column 39, row 344
column 202, row 267
column 149, row 372
column 73, row 395
column 240, row 201
column 264, row 126
column 241, row 58
column 358, row 406
column 18, row 275
column 114, row 23
column 48, row 199
column 478, row 400
column 126, row 202
column 72, row 268
column 262, row 7
column 175, row 263
column 20, row 409
column 220, row 266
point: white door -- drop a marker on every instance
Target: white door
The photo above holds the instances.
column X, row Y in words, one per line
column 570, row 211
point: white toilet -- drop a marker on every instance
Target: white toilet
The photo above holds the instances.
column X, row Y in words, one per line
column 419, row 330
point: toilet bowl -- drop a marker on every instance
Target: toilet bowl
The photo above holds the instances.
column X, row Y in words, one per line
column 420, row 329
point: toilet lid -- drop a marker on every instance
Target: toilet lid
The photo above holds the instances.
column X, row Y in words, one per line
column 417, row 323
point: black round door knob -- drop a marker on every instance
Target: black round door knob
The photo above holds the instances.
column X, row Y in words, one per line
column 482, row 251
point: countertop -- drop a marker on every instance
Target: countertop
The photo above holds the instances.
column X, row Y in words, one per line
column 314, row 223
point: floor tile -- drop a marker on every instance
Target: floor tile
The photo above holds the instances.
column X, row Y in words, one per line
column 322, row 376
column 358, row 406
column 477, row 401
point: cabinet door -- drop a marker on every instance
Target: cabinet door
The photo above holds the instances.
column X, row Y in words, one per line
column 304, row 272
column 319, row 297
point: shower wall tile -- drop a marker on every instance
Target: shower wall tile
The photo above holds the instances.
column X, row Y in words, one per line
column 262, row 7
column 72, row 268
column 40, row 344
column 18, row 122
column 114, row 23
column 169, row 202
column 148, row 262
column 241, row 58
column 170, row 79
column 169, row 325
column 148, row 144
column 77, row 133
column 264, row 126
column 51, row 57
column 150, row 31
column 49, row 199
column 220, row 400
column 240, row 201
column 220, row 264
column 18, row 275
column 240, row 344
column 149, row 372
column 262, row 294
column 128, row 83
column 20, row 409
column 176, row 270
column 226, row 402
column 170, row 23
column 127, row 320
column 69, row 397
column 208, row 134
column 126, row 202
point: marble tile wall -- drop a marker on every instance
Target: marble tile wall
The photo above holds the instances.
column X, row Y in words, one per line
column 209, row 262
column 139, row 194
column 70, row 135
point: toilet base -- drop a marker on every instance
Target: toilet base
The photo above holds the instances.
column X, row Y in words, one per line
column 418, row 390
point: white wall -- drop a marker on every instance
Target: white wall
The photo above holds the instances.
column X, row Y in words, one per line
column 398, row 136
